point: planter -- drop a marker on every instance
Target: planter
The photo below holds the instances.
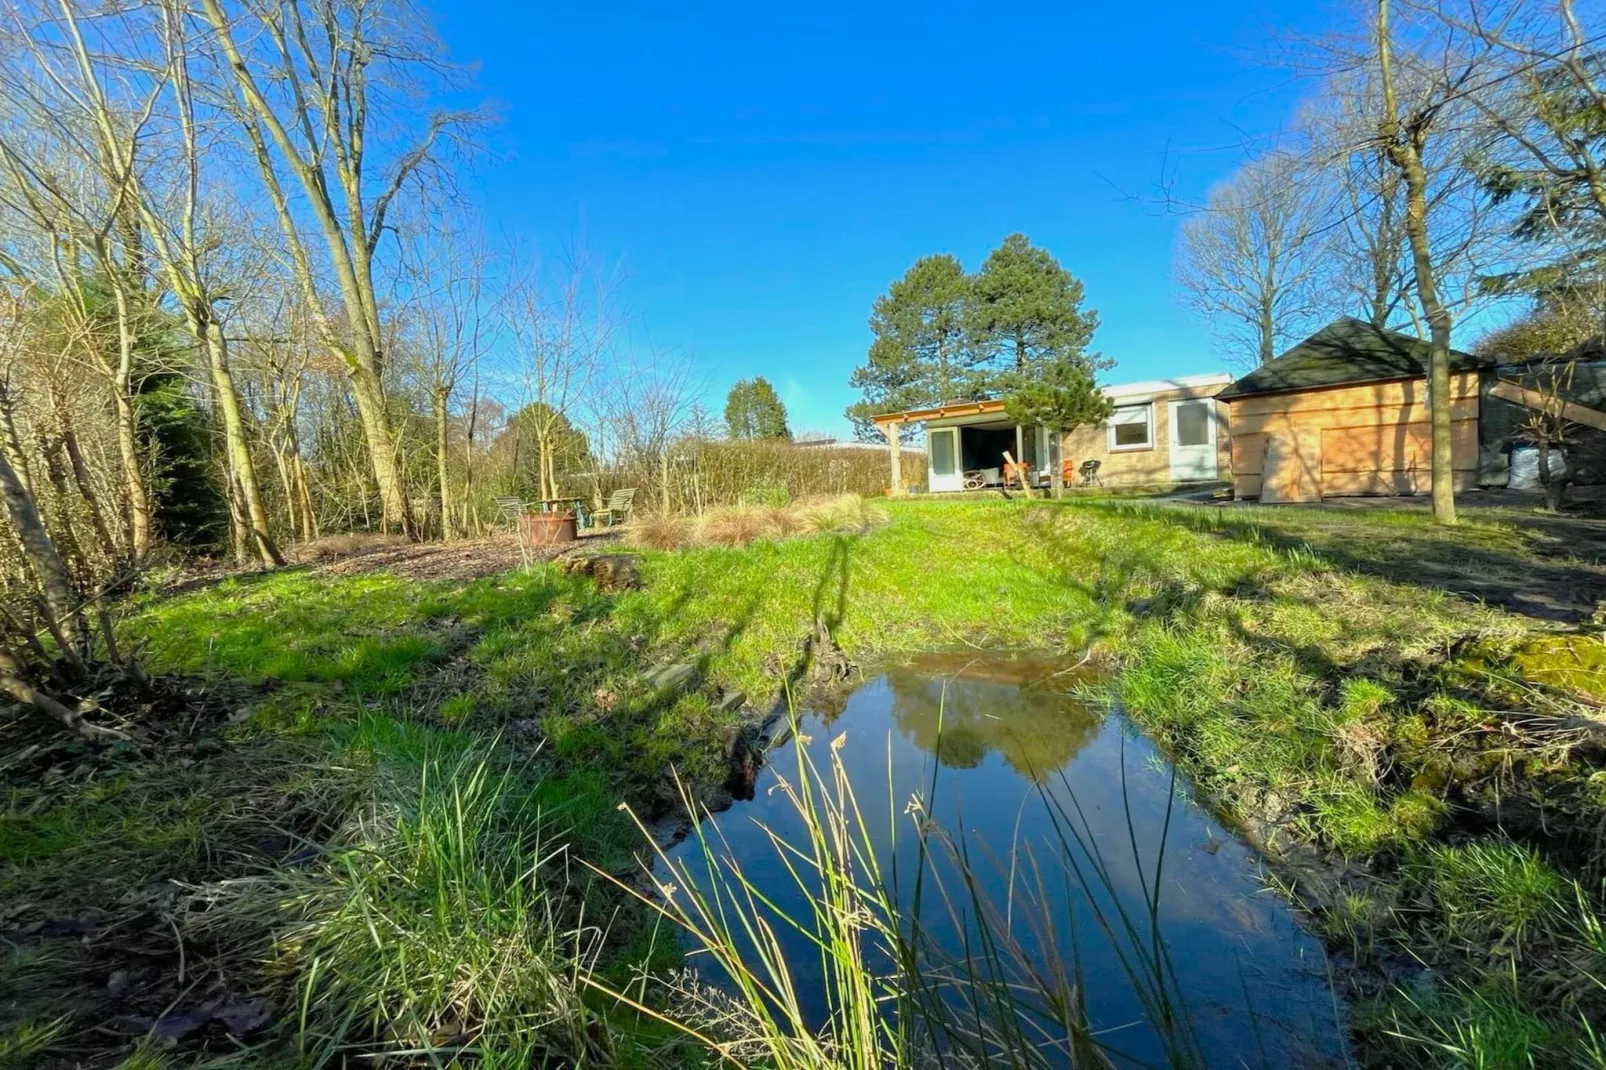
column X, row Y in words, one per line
column 547, row 529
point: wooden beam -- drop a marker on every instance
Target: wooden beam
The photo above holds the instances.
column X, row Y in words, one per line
column 894, row 430
column 1534, row 399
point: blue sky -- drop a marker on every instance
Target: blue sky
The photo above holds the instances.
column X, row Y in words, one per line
column 760, row 173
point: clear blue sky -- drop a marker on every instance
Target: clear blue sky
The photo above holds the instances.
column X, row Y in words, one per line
column 762, row 172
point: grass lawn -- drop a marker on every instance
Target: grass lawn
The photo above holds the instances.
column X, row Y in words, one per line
column 1427, row 768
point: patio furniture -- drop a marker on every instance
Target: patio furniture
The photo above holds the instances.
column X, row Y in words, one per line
column 617, row 511
column 574, row 505
column 509, row 509
column 975, row 480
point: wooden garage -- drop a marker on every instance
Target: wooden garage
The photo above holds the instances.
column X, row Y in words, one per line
column 1345, row 412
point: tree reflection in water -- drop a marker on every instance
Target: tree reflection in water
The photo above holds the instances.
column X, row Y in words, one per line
column 961, row 707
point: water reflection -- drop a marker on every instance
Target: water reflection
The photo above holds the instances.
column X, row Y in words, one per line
column 1012, row 754
column 962, row 708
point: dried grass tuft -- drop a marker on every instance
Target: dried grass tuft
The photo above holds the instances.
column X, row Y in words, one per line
column 736, row 526
column 331, row 547
column 779, row 521
column 658, row 531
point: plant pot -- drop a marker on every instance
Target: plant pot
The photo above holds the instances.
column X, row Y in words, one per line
column 548, row 529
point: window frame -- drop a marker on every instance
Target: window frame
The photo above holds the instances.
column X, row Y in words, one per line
column 1148, row 423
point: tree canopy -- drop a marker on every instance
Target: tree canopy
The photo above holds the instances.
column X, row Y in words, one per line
column 944, row 335
column 753, row 411
column 1028, row 308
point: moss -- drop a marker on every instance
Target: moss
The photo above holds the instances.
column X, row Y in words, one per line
column 1571, row 663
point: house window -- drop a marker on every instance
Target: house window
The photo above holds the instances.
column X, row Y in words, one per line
column 1132, row 428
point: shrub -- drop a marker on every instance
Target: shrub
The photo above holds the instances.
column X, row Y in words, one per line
column 767, row 493
column 736, row 526
column 657, row 531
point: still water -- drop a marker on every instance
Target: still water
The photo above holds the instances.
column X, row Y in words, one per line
column 1011, row 751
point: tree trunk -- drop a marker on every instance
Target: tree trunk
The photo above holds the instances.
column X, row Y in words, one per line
column 86, row 486
column 663, row 473
column 61, row 597
column 136, row 498
column 309, row 515
column 253, row 509
column 443, row 472
column 1404, row 148
column 10, row 440
column 369, row 393
column 1268, row 332
column 50, row 453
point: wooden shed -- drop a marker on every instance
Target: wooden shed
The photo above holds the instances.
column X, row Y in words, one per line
column 1345, row 412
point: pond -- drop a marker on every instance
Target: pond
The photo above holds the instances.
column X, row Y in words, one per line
column 1074, row 825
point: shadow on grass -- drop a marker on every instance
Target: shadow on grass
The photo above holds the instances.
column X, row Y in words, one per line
column 1517, row 571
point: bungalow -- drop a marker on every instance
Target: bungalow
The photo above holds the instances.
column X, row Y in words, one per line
column 1162, row 431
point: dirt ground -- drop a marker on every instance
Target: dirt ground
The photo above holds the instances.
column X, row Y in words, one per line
column 354, row 555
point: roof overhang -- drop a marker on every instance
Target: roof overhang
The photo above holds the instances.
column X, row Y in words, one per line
column 942, row 412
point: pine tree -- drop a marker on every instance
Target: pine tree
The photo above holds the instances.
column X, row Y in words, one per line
column 1028, row 311
column 1058, row 393
column 921, row 355
column 753, row 410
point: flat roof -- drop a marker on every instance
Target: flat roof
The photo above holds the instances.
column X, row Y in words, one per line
column 1119, row 390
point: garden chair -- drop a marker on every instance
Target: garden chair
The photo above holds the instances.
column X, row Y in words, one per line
column 618, row 509
column 509, row 509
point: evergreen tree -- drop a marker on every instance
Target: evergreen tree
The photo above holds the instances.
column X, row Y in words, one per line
column 753, row 410
column 1028, row 312
column 521, row 442
column 1058, row 393
column 921, row 355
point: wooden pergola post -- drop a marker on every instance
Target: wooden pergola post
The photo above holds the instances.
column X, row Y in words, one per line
column 894, row 430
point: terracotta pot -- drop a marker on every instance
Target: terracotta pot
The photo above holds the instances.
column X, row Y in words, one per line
column 548, row 529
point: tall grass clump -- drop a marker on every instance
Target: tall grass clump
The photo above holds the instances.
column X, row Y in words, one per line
column 1490, row 891
column 734, row 526
column 443, row 930
column 893, row 995
column 847, row 514
column 659, row 531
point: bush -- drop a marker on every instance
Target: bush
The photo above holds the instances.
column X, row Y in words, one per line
column 736, row 526
column 656, row 531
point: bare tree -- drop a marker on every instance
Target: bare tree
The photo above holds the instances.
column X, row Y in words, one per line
column 561, row 337
column 1367, row 269
column 177, row 222
column 303, row 89
column 1250, row 259
column 72, row 186
column 1406, row 126
column 446, row 261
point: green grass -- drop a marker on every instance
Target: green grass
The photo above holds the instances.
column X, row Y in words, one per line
column 451, row 750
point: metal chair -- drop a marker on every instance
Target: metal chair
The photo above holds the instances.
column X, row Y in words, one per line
column 509, row 509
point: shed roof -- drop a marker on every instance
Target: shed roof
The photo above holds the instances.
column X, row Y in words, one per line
column 1345, row 351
